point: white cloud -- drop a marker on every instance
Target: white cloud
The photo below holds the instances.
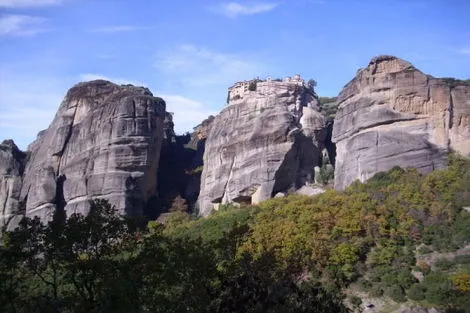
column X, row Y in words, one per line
column 198, row 67
column 119, row 29
column 21, row 25
column 187, row 113
column 27, row 105
column 234, row 9
column 116, row 80
column 28, row 3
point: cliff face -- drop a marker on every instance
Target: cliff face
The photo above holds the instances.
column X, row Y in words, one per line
column 179, row 169
column 266, row 140
column 104, row 142
column 12, row 162
column 393, row 114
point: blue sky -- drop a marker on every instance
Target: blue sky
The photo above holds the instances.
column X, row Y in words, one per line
column 190, row 52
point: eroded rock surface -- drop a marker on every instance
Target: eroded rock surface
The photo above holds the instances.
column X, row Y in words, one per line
column 104, row 142
column 12, row 162
column 267, row 140
column 393, row 114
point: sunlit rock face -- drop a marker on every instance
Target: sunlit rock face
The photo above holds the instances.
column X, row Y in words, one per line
column 267, row 140
column 104, row 142
column 393, row 114
column 12, row 162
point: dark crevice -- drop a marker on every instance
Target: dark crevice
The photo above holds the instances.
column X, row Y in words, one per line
column 451, row 110
column 59, row 201
column 66, row 141
column 329, row 144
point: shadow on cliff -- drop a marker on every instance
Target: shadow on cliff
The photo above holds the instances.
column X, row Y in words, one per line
column 179, row 176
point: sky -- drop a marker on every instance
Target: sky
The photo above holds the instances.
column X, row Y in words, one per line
column 190, row 51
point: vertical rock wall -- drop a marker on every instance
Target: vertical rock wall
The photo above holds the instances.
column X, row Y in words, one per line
column 393, row 114
column 265, row 141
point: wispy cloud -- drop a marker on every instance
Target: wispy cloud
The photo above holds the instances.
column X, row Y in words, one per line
column 21, row 25
column 196, row 66
column 120, row 81
column 28, row 3
column 465, row 51
column 234, row 9
column 119, row 29
column 28, row 105
column 187, row 113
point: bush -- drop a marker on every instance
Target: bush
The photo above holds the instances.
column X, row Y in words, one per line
column 395, row 293
column 416, row 292
column 424, row 250
column 444, row 264
column 355, row 301
column 462, row 259
column 364, row 284
column 439, row 289
column 252, row 85
column 376, row 291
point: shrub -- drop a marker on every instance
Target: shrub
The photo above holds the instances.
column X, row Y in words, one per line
column 444, row 264
column 416, row 292
column 355, row 301
column 462, row 282
column 364, row 284
column 439, row 289
column 462, row 259
column 252, row 85
column 376, row 291
column 424, row 250
column 395, row 293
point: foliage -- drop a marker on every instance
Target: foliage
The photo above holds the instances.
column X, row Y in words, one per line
column 416, row 292
column 291, row 254
column 252, row 85
column 98, row 263
column 462, row 282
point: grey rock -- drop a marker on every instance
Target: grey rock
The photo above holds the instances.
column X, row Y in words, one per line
column 393, row 114
column 11, row 170
column 265, row 141
column 310, row 190
column 104, row 142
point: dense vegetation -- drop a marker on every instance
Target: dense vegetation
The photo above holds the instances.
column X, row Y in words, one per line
column 292, row 254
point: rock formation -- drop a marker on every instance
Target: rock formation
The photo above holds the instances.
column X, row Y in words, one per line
column 104, row 142
column 179, row 174
column 268, row 139
column 393, row 114
column 12, row 162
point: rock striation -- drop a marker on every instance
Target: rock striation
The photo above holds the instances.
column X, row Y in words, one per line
column 104, row 142
column 12, row 162
column 392, row 114
column 267, row 140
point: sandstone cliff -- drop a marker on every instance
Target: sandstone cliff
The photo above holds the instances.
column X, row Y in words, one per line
column 393, row 114
column 12, row 162
column 268, row 139
column 104, row 142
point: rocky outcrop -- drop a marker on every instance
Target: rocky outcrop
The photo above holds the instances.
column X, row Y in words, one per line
column 180, row 168
column 267, row 140
column 12, row 162
column 104, row 142
column 393, row 114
